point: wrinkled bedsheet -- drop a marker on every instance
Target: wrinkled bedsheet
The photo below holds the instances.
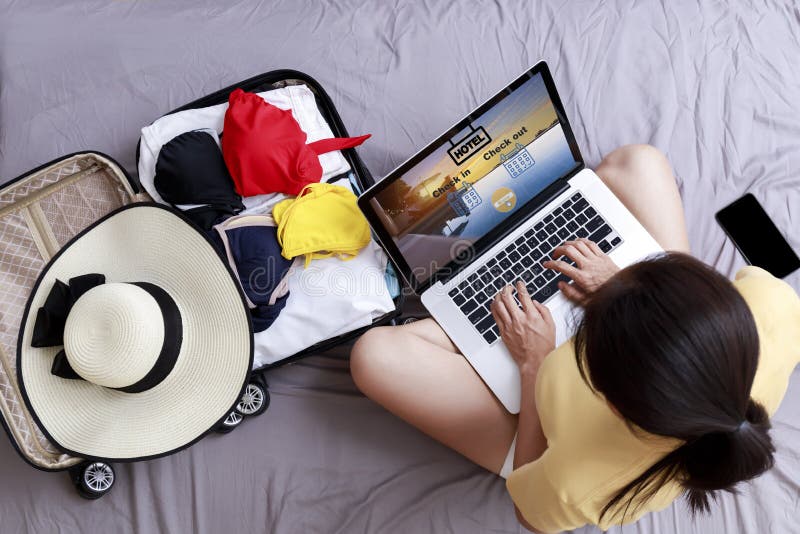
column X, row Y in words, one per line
column 713, row 86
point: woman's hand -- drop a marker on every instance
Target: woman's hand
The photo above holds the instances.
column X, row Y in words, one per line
column 592, row 268
column 528, row 332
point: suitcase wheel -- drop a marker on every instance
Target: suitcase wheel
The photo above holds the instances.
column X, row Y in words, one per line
column 233, row 420
column 255, row 399
column 93, row 479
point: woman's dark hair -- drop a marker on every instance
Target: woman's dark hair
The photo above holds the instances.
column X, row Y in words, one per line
column 673, row 346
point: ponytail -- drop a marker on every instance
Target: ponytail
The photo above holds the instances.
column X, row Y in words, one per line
column 714, row 461
column 719, row 460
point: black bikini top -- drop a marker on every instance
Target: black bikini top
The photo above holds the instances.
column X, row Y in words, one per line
column 190, row 170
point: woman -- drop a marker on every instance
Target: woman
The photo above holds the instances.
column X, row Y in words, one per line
column 666, row 388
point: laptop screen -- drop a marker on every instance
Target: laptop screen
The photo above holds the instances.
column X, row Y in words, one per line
column 482, row 172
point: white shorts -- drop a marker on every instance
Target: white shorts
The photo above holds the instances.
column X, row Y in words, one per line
column 508, row 465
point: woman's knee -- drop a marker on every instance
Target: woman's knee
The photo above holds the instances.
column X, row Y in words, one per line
column 635, row 161
column 635, row 156
column 642, row 179
column 366, row 356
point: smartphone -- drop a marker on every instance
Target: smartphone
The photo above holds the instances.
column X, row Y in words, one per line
column 757, row 237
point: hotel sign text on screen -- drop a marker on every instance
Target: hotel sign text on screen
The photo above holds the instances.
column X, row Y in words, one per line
column 468, row 146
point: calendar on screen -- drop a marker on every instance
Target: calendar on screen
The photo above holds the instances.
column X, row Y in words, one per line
column 518, row 161
column 470, row 196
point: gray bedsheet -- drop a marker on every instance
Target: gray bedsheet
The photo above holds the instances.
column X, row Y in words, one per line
column 713, row 86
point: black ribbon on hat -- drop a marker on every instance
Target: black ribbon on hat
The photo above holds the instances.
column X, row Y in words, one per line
column 48, row 330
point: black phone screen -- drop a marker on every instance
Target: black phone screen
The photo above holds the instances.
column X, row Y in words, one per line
column 757, row 237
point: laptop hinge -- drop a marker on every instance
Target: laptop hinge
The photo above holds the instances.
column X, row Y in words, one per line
column 543, row 199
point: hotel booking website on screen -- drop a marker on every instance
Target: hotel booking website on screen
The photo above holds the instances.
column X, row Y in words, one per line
column 468, row 186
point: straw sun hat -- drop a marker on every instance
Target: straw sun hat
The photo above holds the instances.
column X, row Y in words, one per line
column 135, row 340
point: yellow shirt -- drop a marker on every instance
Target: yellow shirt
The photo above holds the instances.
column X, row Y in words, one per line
column 591, row 453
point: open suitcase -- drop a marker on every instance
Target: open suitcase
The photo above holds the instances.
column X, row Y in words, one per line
column 360, row 175
column 45, row 208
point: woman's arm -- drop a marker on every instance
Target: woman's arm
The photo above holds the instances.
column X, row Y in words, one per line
column 528, row 331
column 531, row 442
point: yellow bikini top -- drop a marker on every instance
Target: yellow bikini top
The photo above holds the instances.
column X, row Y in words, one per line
column 322, row 221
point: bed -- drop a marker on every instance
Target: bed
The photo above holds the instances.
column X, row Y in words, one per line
column 713, row 86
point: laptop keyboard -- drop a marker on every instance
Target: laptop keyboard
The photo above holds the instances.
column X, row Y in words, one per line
column 522, row 258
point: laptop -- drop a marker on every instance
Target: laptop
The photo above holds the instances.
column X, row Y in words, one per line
column 484, row 205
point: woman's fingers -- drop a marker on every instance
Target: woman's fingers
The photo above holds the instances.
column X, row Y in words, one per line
column 524, row 298
column 570, row 249
column 563, row 268
column 592, row 246
column 504, row 313
column 545, row 312
column 507, row 298
column 582, row 247
column 571, row 292
column 500, row 313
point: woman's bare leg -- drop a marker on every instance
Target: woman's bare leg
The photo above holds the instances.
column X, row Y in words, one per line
column 641, row 177
column 415, row 372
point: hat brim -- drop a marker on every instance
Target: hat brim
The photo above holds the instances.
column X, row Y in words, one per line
column 144, row 242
